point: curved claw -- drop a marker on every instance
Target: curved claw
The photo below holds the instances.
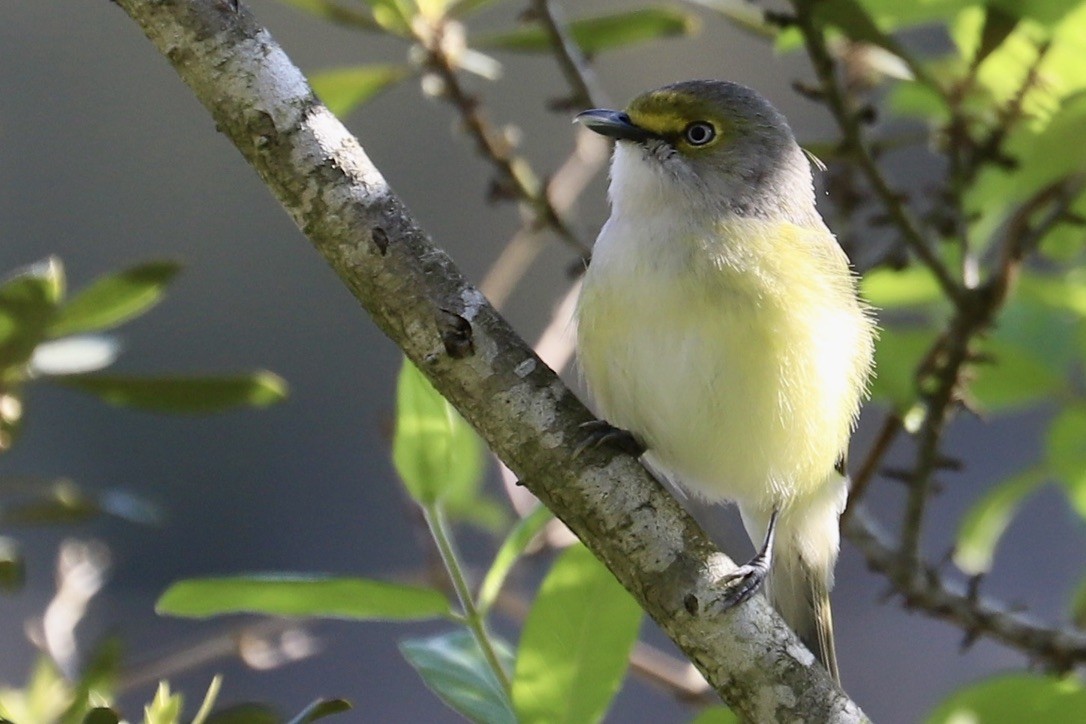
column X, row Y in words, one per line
column 744, row 582
column 601, row 432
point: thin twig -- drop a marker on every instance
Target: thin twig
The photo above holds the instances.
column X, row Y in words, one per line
column 891, row 427
column 571, row 59
column 515, row 174
column 924, row 589
column 853, row 143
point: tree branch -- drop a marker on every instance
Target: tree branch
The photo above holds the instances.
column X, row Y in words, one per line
column 924, row 589
column 415, row 294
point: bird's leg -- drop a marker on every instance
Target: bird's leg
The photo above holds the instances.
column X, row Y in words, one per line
column 601, row 432
column 745, row 580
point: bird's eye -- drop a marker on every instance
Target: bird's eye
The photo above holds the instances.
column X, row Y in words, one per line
column 699, row 133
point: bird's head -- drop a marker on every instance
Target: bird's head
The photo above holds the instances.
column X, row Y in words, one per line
column 705, row 143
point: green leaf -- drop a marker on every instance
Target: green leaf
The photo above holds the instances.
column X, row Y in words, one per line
column 604, row 32
column 511, row 549
column 1014, row 698
column 181, row 394
column 576, row 643
column 334, row 12
column 102, row 715
column 461, row 8
column 165, row 708
column 97, row 680
column 999, row 23
column 393, row 15
column 316, row 596
column 60, row 502
column 897, row 354
column 74, row 355
column 12, row 565
column 716, row 715
column 248, row 713
column 919, row 100
column 984, row 524
column 1018, row 377
column 209, row 700
column 114, row 299
column 344, row 89
column 1066, row 454
column 893, row 289
column 453, row 667
column 435, row 452
column 320, row 709
column 43, row 699
column 1033, row 349
column 28, row 302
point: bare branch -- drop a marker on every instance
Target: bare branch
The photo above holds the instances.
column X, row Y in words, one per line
column 924, row 589
column 572, row 61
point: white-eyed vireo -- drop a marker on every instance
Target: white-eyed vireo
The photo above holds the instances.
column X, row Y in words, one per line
column 719, row 326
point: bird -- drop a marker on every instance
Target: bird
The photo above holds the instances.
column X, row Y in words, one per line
column 721, row 333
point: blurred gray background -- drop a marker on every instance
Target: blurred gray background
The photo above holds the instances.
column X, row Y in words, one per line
column 107, row 160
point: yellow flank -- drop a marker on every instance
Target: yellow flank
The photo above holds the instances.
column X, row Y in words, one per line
column 756, row 331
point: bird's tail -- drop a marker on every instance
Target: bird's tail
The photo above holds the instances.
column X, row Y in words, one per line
column 801, row 594
column 801, row 573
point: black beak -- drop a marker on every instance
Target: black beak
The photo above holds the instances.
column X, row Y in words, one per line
column 613, row 124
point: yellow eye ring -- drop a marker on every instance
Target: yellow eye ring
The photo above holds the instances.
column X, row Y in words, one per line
column 699, row 133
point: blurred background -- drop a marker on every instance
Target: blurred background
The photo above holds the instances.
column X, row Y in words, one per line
column 107, row 160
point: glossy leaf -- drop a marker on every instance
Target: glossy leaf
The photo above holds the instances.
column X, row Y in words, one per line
column 1066, row 454
column 74, row 355
column 320, row 709
column 984, row 524
column 1014, row 698
column 308, row 596
column 510, row 551
column 28, row 303
column 454, row 668
column 436, row 453
column 115, row 299
column 605, row 32
column 181, row 394
column 344, row 89
column 576, row 643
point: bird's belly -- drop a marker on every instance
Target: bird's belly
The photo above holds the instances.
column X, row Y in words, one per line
column 727, row 395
